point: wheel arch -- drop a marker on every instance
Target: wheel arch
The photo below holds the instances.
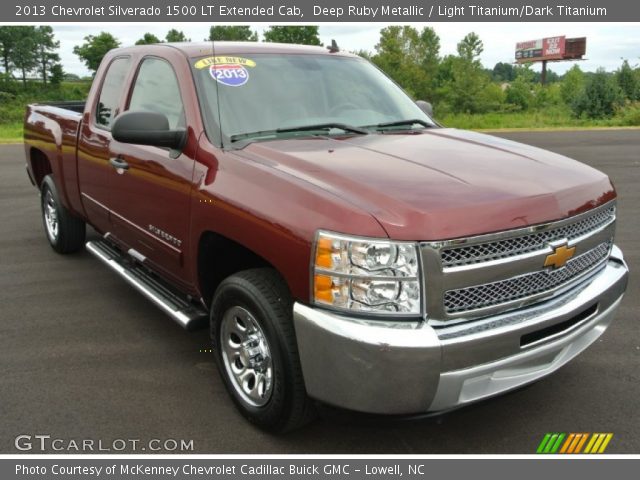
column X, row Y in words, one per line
column 40, row 165
column 219, row 257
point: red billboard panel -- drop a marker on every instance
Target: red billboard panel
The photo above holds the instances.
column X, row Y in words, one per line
column 551, row 48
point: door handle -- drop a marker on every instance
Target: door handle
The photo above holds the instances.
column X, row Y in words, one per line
column 119, row 163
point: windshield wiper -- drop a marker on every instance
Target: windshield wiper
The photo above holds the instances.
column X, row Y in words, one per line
column 301, row 128
column 258, row 134
column 325, row 126
column 400, row 123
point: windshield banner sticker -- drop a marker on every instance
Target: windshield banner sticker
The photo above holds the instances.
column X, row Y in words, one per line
column 231, row 71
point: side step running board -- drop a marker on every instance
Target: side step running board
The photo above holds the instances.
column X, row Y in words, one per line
column 182, row 311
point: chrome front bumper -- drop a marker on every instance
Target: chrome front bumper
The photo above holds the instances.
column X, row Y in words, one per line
column 411, row 367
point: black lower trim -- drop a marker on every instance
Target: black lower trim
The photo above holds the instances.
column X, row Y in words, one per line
column 533, row 337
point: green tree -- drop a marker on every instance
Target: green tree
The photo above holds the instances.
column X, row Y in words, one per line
column 303, row 35
column 9, row 36
column 445, row 70
column 392, row 46
column 364, row 54
column 410, row 57
column 429, row 60
column 421, row 48
column 46, row 50
column 572, row 85
column 547, row 95
column 148, row 39
column 24, row 54
column 57, row 74
column 600, row 96
column 395, row 55
column 95, row 48
column 470, row 48
column 429, row 54
column 552, row 77
column 464, row 92
column 232, row 33
column 628, row 82
column 491, row 97
column 520, row 91
column 503, row 72
column 463, row 84
column 174, row 35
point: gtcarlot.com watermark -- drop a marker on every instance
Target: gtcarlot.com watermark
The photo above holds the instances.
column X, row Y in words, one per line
column 48, row 443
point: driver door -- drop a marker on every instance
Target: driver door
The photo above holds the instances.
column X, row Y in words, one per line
column 150, row 198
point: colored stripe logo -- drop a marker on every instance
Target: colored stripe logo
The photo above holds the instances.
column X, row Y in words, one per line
column 574, row 443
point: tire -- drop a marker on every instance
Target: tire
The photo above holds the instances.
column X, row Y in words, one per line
column 266, row 350
column 65, row 232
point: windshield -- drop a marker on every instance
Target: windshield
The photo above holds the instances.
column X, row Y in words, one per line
column 263, row 93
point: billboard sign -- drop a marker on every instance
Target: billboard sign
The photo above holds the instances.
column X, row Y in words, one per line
column 551, row 48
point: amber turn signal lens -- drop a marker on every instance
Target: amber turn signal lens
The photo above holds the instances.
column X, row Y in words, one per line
column 324, row 250
column 323, row 288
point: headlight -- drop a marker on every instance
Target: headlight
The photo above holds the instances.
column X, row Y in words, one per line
column 379, row 276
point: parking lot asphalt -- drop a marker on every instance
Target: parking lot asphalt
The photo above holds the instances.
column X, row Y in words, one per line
column 83, row 356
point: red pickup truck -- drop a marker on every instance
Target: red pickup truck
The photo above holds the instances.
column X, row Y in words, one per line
column 343, row 246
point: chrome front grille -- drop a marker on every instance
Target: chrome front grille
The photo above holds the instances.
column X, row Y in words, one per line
column 475, row 277
column 496, row 293
column 484, row 252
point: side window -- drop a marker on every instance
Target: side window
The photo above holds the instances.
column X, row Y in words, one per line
column 111, row 91
column 156, row 90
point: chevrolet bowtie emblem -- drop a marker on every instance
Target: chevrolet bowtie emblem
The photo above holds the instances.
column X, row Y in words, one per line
column 560, row 256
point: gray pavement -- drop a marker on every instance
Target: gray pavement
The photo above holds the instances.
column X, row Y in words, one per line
column 83, row 356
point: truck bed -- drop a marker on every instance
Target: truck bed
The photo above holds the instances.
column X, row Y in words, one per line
column 50, row 136
column 76, row 106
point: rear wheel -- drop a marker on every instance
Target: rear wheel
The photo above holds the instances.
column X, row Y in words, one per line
column 256, row 351
column 66, row 233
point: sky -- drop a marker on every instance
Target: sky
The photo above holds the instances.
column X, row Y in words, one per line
column 607, row 43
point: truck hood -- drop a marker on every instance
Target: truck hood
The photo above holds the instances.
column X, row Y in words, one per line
column 438, row 184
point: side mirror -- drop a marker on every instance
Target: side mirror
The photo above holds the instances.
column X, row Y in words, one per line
column 425, row 107
column 147, row 128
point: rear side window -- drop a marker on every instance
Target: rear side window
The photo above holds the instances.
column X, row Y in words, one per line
column 157, row 90
column 111, row 91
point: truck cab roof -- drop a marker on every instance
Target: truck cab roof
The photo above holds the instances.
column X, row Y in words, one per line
column 197, row 49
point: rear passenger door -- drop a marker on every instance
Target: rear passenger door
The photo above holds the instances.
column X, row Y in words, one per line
column 94, row 143
column 150, row 201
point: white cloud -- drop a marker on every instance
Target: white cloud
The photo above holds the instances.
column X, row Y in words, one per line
column 606, row 43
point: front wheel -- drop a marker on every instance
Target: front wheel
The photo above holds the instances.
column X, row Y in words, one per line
column 256, row 351
column 66, row 233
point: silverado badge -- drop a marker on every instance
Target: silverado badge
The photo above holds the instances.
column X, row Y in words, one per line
column 559, row 257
